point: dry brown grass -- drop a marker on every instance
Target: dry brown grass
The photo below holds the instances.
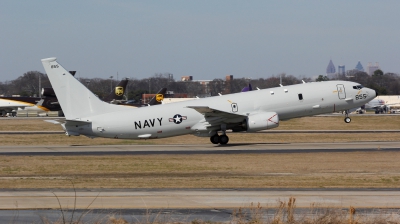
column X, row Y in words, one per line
column 378, row 169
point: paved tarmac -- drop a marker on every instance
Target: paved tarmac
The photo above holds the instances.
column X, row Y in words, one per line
column 198, row 149
column 265, row 131
column 195, row 199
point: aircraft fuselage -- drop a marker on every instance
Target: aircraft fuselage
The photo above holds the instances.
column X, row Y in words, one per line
column 177, row 119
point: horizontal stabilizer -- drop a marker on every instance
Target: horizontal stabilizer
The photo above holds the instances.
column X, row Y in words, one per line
column 53, row 121
column 76, row 122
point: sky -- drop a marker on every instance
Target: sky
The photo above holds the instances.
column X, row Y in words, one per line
column 205, row 39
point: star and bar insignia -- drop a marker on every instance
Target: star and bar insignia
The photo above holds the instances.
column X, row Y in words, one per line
column 177, row 119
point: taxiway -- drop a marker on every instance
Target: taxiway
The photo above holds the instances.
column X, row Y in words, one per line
column 198, row 149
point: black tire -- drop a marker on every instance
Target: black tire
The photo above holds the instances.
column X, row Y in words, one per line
column 347, row 120
column 223, row 139
column 214, row 139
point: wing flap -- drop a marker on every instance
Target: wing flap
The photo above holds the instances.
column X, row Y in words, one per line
column 211, row 112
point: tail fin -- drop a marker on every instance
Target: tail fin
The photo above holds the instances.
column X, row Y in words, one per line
column 75, row 99
column 158, row 98
column 246, row 89
column 118, row 92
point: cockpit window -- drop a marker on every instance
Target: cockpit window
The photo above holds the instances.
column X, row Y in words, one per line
column 358, row 87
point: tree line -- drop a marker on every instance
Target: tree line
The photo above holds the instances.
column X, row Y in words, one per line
column 28, row 84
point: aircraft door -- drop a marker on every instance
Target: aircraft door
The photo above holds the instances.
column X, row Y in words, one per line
column 341, row 91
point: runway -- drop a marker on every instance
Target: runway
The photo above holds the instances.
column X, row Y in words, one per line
column 197, row 149
column 195, row 198
column 265, row 131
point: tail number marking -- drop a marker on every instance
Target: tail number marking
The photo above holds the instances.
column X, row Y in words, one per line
column 361, row 96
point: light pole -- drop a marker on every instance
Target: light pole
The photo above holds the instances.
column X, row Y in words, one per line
column 149, row 90
column 111, row 81
column 40, row 86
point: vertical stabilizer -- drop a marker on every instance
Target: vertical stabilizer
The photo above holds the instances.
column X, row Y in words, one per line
column 75, row 99
column 118, row 92
column 159, row 97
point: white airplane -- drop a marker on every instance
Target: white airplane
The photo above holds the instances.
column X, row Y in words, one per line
column 378, row 105
column 249, row 111
column 10, row 105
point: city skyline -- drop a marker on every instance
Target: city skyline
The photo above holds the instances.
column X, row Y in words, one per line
column 203, row 39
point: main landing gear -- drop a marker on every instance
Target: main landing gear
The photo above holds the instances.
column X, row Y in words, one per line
column 221, row 139
column 347, row 119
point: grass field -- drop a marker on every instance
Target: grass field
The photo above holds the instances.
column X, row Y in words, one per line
column 297, row 170
column 375, row 169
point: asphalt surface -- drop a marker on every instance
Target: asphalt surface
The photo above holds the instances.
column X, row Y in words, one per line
column 198, row 149
column 184, row 215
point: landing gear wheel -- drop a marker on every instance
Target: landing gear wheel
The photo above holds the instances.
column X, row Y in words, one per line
column 347, row 120
column 223, row 139
column 214, row 139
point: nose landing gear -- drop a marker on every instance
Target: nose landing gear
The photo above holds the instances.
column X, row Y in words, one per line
column 347, row 119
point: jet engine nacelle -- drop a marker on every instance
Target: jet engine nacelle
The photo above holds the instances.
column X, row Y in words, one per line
column 262, row 121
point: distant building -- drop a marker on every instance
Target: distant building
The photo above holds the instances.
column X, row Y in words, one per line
column 372, row 68
column 228, row 84
column 342, row 70
column 186, row 78
column 331, row 68
column 205, row 84
column 359, row 67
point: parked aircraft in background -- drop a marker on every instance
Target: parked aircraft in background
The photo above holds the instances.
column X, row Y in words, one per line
column 117, row 96
column 247, row 88
column 157, row 99
column 249, row 111
column 379, row 106
column 9, row 105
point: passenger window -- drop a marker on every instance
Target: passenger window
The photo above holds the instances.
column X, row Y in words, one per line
column 300, row 96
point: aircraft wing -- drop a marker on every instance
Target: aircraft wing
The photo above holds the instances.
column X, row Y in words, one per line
column 213, row 119
column 10, row 105
column 210, row 112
